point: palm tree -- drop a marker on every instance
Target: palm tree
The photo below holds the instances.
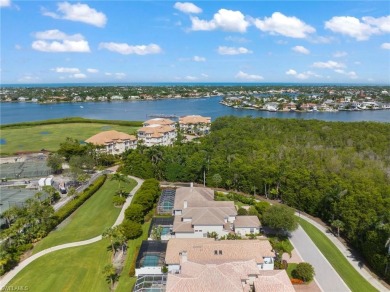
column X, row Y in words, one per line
column 110, row 273
column 112, row 234
column 119, row 178
column 339, row 225
column 387, row 244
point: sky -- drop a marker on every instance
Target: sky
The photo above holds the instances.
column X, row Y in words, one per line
column 201, row 41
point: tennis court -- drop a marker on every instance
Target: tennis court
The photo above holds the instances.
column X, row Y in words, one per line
column 25, row 167
column 11, row 196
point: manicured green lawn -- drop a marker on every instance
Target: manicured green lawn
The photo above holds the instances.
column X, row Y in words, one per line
column 126, row 282
column 72, row 269
column 290, row 268
column 49, row 137
column 90, row 220
column 350, row 276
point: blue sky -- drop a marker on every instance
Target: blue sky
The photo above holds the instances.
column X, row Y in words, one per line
column 204, row 41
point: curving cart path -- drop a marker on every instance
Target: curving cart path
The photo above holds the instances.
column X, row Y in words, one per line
column 11, row 274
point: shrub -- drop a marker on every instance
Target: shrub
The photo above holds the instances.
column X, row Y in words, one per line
column 304, row 271
column 131, row 229
column 242, row 212
column 135, row 212
column 118, row 201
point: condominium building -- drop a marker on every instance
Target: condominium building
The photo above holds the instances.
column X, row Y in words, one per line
column 113, row 142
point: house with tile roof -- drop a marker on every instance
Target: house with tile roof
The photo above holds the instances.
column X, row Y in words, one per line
column 195, row 124
column 241, row 276
column 197, row 214
column 244, row 225
column 156, row 134
column 113, row 142
column 207, row 251
column 159, row 121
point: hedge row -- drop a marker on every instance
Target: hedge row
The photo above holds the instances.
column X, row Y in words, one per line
column 143, row 201
column 70, row 207
column 73, row 120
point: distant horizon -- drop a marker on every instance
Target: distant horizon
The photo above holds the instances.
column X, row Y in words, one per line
column 93, row 84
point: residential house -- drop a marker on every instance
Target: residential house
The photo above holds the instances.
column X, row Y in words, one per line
column 208, row 251
column 113, row 142
column 245, row 225
column 195, row 124
column 197, row 214
column 240, row 276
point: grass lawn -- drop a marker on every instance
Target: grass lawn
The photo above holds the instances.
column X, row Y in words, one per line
column 90, row 219
column 290, row 268
column 350, row 276
column 72, row 269
column 126, row 282
column 49, row 137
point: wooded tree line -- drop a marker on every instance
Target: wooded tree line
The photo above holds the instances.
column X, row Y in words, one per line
column 334, row 170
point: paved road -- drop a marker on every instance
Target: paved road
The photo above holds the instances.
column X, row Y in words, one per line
column 327, row 278
column 10, row 275
column 348, row 255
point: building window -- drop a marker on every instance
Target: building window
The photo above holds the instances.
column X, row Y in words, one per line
column 220, row 252
column 215, row 252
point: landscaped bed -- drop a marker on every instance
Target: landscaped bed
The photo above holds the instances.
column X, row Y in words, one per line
column 89, row 220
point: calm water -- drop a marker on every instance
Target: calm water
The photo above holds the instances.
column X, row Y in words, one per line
column 139, row 111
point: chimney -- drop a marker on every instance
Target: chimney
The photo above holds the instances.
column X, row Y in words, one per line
column 185, row 204
column 183, row 256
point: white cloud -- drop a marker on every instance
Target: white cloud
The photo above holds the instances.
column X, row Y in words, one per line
column 320, row 39
column 55, row 34
column 29, row 78
column 222, row 50
column 191, row 78
column 282, row 42
column 66, row 70
column 350, row 74
column 340, row 54
column 120, row 75
column 204, row 75
column 303, row 75
column 353, row 27
column 108, row 74
column 248, row 77
column 199, row 59
column 224, row 19
column 91, row 70
column 385, row 46
column 382, row 23
column 187, row 7
column 78, row 12
column 125, row 49
column 61, row 47
column 291, row 72
column 236, row 39
column 56, row 41
column 301, row 49
column 289, row 26
column 78, row 76
column 5, row 3
column 328, row 65
column 18, row 47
